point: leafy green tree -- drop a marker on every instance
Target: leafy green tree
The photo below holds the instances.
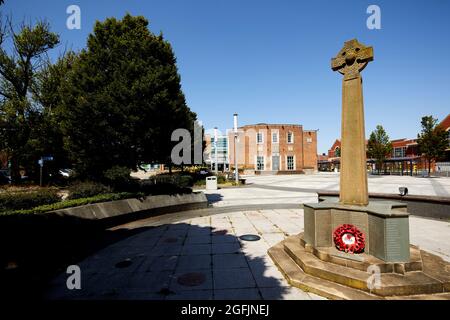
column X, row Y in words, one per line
column 19, row 64
column 47, row 138
column 122, row 99
column 432, row 140
column 379, row 146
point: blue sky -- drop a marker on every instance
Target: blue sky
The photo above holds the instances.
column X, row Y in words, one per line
column 269, row 61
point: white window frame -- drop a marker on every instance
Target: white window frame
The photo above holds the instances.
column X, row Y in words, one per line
column 293, row 163
column 292, row 136
column 263, row 163
column 276, row 134
column 262, row 137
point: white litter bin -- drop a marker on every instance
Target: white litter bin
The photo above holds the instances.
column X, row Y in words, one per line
column 211, row 183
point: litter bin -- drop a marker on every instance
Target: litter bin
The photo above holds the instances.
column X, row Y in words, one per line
column 211, row 183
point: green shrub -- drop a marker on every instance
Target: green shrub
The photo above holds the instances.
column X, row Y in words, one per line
column 77, row 202
column 10, row 201
column 184, row 181
column 87, row 189
column 221, row 179
column 119, row 178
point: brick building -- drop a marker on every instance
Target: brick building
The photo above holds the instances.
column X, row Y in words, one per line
column 274, row 148
column 445, row 124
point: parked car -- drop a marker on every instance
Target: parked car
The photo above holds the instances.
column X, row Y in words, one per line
column 66, row 173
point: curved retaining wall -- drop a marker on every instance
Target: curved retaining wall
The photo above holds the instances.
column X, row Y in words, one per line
column 127, row 207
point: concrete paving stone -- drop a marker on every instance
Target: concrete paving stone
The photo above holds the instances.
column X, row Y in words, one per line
column 176, row 287
column 203, row 239
column 101, row 283
column 166, row 250
column 232, row 247
column 201, row 261
column 260, row 260
column 273, row 238
column 162, row 263
column 233, row 278
column 250, row 255
column 314, row 296
column 227, row 261
column 220, row 231
column 107, row 265
column 284, row 293
column 170, row 241
column 254, row 246
column 268, row 229
column 267, row 277
column 153, row 282
column 241, row 231
column 179, row 226
column 237, row 294
column 198, row 231
column 227, row 238
column 194, row 249
column 191, row 295
column 175, row 233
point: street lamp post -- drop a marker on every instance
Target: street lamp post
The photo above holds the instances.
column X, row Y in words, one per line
column 215, row 151
column 236, row 175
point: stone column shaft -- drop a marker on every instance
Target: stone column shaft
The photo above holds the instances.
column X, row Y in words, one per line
column 353, row 177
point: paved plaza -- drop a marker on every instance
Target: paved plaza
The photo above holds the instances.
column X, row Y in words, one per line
column 199, row 255
column 434, row 186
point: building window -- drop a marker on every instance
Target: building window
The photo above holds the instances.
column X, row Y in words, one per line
column 259, row 138
column 290, row 162
column 309, row 140
column 259, row 163
column 274, row 137
column 399, row 152
column 290, row 137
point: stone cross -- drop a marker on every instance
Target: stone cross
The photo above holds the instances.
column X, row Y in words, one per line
column 350, row 61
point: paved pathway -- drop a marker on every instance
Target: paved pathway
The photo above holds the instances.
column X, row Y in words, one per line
column 199, row 255
column 435, row 186
column 166, row 261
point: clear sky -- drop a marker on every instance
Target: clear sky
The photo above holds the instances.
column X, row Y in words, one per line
column 269, row 61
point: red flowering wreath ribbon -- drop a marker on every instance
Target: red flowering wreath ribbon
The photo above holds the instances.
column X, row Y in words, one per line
column 349, row 239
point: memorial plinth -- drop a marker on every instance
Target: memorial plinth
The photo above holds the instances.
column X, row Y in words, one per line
column 384, row 223
column 345, row 242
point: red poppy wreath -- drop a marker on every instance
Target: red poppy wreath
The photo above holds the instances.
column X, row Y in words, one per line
column 349, row 239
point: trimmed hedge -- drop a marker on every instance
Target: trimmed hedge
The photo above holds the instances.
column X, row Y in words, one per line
column 10, row 201
column 86, row 190
column 76, row 202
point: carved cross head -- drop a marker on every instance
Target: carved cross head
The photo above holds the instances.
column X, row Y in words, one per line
column 352, row 59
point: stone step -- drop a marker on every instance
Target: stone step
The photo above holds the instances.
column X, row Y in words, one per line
column 312, row 265
column 296, row 277
column 416, row 282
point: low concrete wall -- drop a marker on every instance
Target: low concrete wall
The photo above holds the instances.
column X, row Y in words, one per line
column 135, row 208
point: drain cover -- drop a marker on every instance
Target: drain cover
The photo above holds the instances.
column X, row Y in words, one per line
column 250, row 237
column 192, row 279
column 124, row 263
